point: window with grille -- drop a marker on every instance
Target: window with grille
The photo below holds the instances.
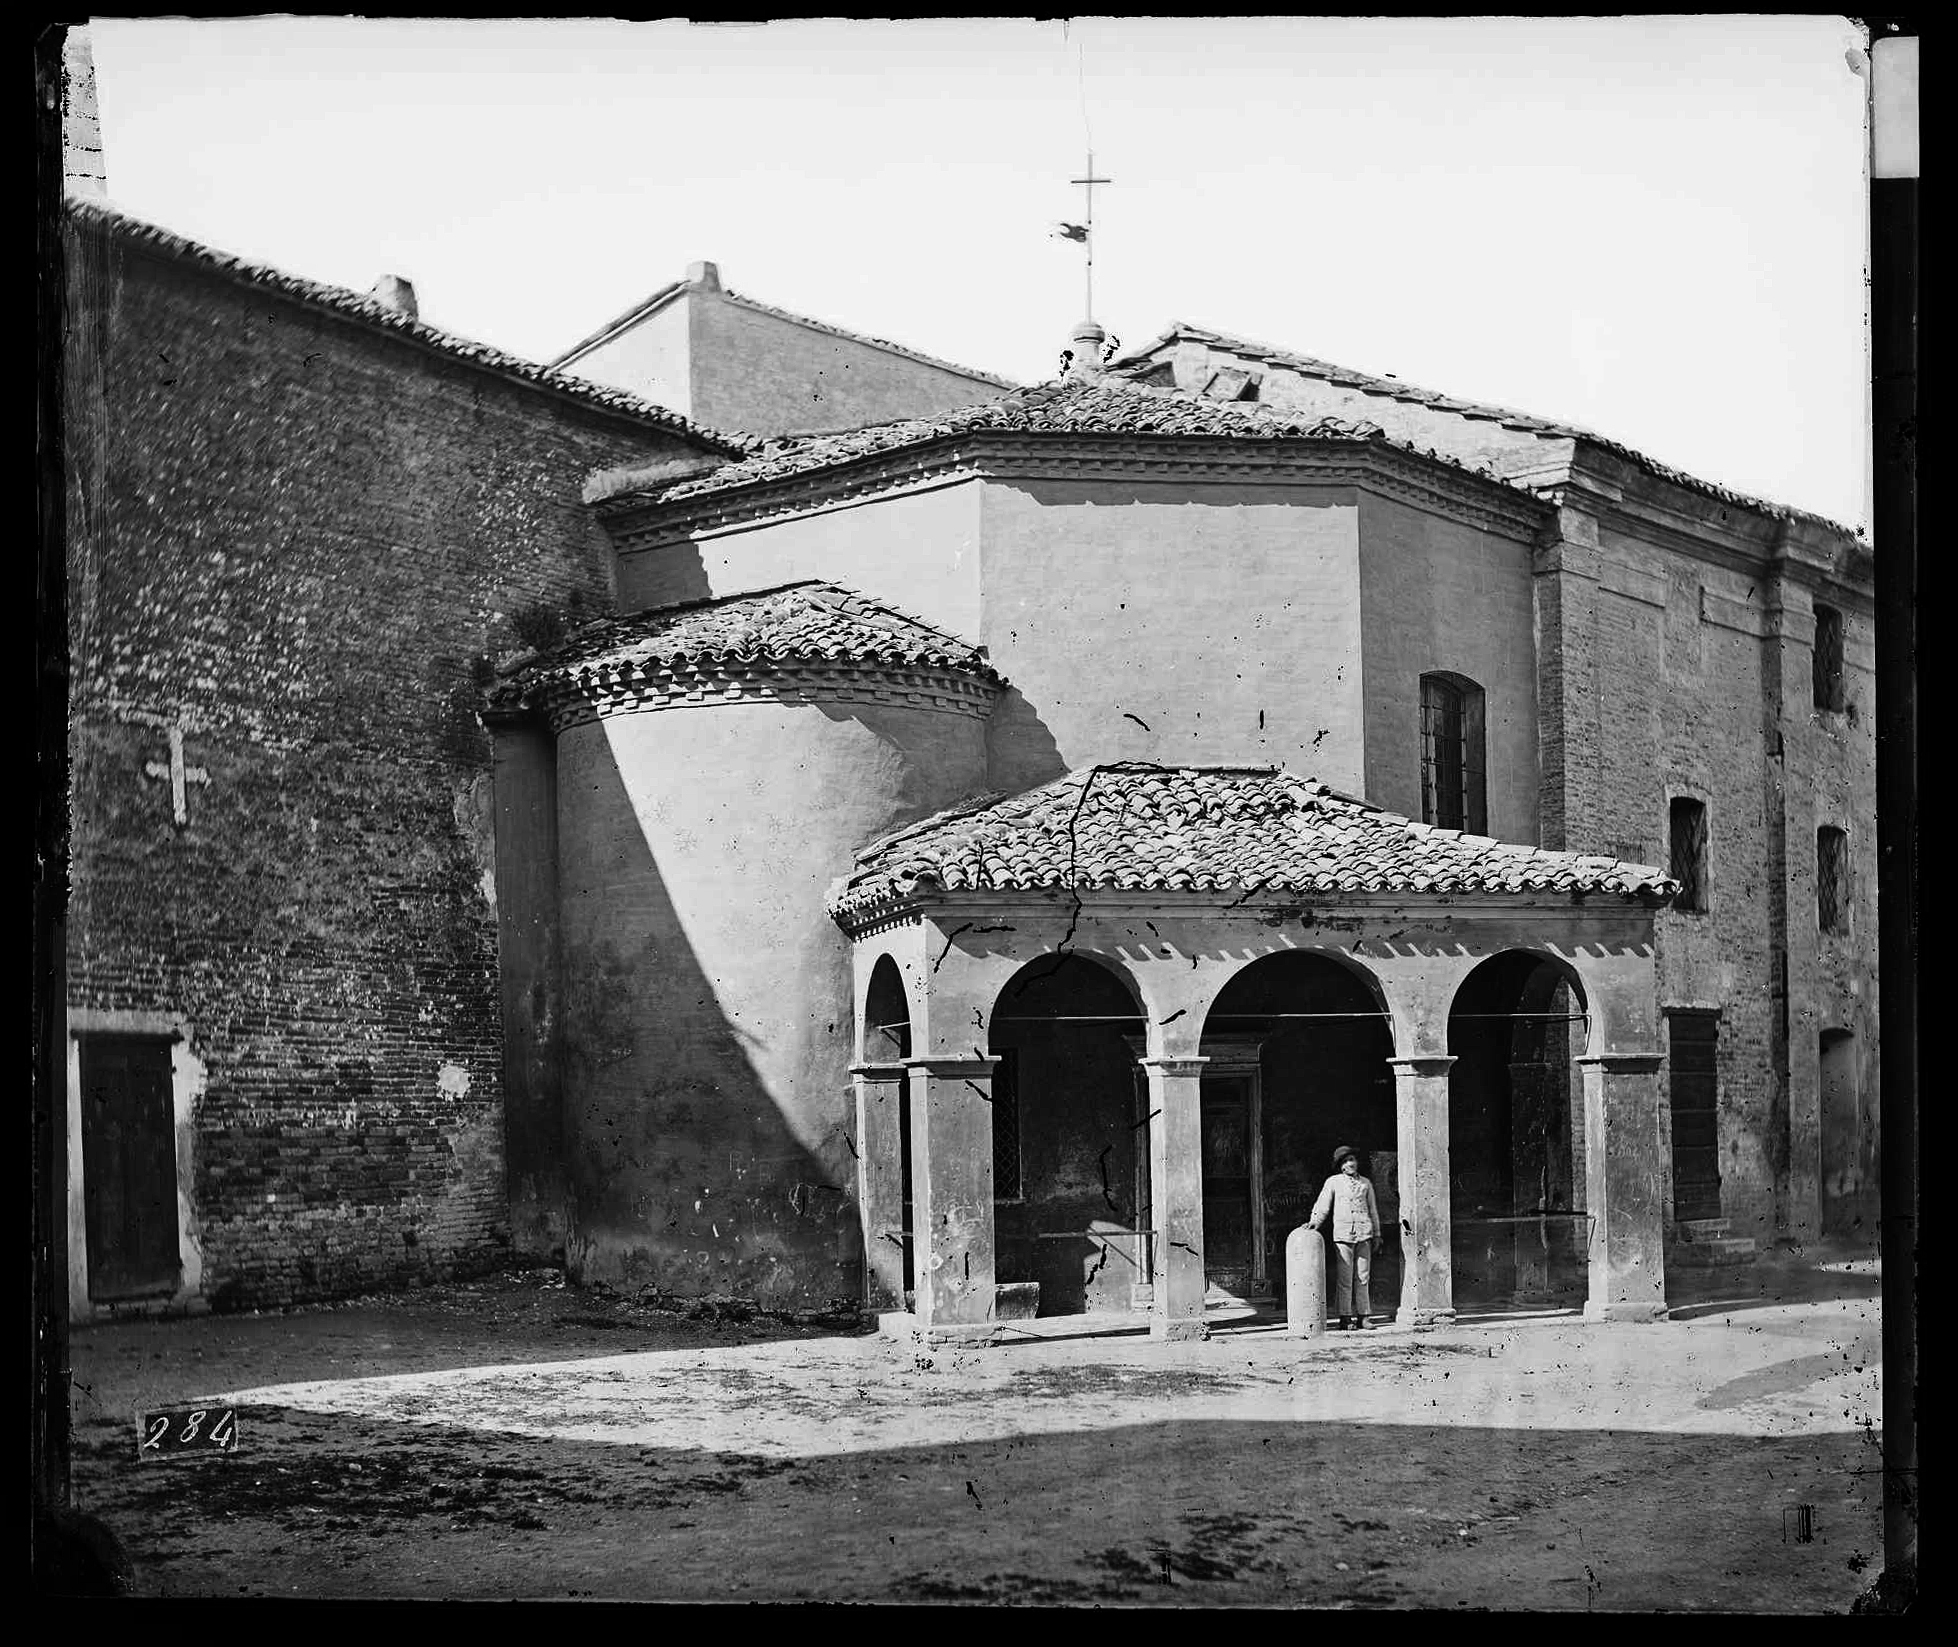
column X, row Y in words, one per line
column 1453, row 788
column 1827, row 658
column 1689, row 852
column 1006, row 1125
column 1831, row 879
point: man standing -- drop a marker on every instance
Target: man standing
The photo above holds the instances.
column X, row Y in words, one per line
column 1348, row 1201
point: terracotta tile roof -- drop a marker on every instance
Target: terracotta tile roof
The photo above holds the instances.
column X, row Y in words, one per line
column 1061, row 408
column 1137, row 361
column 658, row 300
column 1141, row 827
column 804, row 622
column 101, row 216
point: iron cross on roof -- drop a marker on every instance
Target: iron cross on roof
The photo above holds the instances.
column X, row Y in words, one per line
column 1088, row 224
column 178, row 774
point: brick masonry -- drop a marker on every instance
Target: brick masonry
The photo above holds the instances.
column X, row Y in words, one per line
column 299, row 538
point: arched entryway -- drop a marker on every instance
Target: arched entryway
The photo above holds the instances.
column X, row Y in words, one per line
column 1298, row 1047
column 1070, row 1165
column 887, row 1043
column 1516, row 1134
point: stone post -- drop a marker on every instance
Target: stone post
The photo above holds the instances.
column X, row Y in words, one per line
column 1176, row 1195
column 952, row 1196
column 1625, row 1168
column 880, row 1182
column 1427, row 1227
column 1305, row 1283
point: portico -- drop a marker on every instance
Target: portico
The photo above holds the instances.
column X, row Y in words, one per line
column 1178, row 884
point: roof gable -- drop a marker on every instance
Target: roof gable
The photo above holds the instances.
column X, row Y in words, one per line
column 107, row 219
column 653, row 304
column 1141, row 364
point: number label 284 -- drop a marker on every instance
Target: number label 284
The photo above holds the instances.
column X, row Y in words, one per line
column 187, row 1430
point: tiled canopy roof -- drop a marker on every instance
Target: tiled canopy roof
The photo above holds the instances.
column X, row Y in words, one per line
column 798, row 622
column 103, row 217
column 1240, row 829
column 1138, row 361
column 1065, row 408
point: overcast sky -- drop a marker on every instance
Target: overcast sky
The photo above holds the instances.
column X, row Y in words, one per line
column 1655, row 227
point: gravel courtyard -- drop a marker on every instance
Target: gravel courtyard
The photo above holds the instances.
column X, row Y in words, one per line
column 517, row 1438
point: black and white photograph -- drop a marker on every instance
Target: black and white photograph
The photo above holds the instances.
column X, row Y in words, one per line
column 978, row 812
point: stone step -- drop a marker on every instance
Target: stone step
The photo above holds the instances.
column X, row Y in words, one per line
column 1738, row 1249
column 1703, row 1229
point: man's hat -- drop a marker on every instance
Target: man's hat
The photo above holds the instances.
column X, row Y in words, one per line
column 1344, row 1154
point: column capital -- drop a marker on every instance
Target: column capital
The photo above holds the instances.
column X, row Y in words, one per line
column 1425, row 1065
column 1624, row 1063
column 953, row 1069
column 870, row 1070
column 1174, row 1066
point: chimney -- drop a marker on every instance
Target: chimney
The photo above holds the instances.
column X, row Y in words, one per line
column 1085, row 348
column 82, row 171
column 706, row 275
column 392, row 292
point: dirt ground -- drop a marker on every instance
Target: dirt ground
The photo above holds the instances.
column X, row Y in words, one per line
column 517, row 1438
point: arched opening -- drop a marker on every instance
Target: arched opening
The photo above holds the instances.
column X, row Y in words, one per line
column 1070, row 1166
column 1516, row 1134
column 1298, row 1045
column 1842, row 1176
column 887, row 1040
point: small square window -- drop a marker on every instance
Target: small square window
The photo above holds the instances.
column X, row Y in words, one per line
column 1688, row 818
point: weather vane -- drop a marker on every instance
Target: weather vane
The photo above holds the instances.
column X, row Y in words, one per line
column 1084, row 230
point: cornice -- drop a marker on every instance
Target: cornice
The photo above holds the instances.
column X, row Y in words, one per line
column 1492, row 505
column 645, row 688
column 1332, row 913
column 1713, row 543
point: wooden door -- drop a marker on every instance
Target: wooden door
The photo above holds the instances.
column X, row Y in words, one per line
column 1231, row 1235
column 129, row 1167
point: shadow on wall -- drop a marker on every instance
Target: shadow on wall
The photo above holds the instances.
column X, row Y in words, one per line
column 683, row 1176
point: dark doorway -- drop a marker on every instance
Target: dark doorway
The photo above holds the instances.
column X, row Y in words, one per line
column 1298, row 1046
column 1069, row 1158
column 129, row 1167
column 1516, row 1136
column 1693, row 1085
column 1842, row 1176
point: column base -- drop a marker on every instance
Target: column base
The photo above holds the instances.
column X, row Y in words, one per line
column 1178, row 1332
column 904, row 1327
column 1423, row 1318
column 1624, row 1311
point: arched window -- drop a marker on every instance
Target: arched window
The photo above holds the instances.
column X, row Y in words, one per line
column 1453, row 791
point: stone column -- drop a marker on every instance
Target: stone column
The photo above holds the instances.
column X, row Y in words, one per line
column 1176, row 1195
column 880, row 1182
column 1427, row 1226
column 952, row 1196
column 1625, row 1168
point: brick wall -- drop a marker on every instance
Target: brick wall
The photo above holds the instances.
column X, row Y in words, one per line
column 296, row 537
